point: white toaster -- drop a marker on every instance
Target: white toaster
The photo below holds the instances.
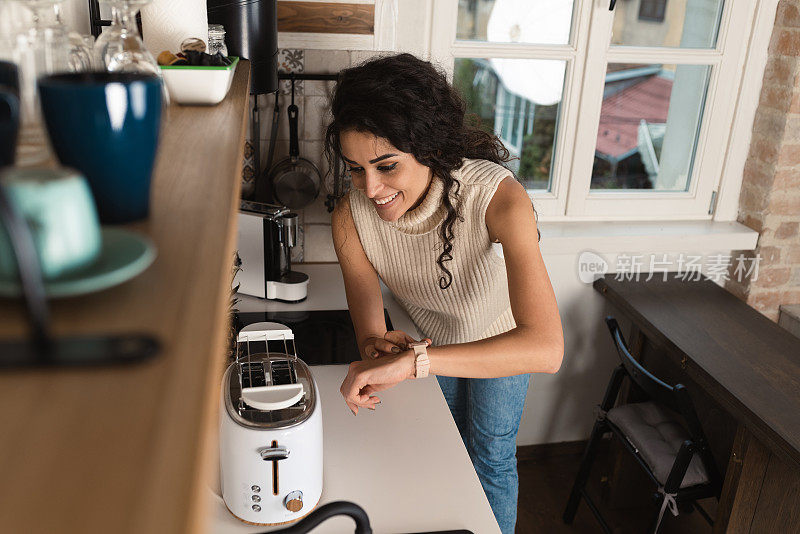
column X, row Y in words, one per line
column 270, row 430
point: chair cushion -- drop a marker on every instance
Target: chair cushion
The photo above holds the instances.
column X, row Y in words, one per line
column 658, row 436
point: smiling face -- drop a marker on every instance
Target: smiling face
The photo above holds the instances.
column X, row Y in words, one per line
column 395, row 181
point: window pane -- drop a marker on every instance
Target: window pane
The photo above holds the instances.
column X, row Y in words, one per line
column 517, row 99
column 670, row 23
column 649, row 122
column 652, row 10
column 515, row 21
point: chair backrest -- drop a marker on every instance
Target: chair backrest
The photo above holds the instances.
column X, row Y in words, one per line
column 653, row 386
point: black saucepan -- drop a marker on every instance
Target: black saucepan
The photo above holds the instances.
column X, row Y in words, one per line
column 295, row 180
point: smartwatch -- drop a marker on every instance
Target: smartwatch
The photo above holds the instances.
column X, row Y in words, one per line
column 421, row 362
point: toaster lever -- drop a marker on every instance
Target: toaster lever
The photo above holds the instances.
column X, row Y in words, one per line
column 270, row 454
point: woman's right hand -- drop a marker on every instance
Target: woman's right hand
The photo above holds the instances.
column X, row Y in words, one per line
column 392, row 342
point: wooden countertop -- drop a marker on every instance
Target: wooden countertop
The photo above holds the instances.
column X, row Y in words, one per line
column 129, row 449
column 745, row 361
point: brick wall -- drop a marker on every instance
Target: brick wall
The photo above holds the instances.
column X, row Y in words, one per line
column 770, row 196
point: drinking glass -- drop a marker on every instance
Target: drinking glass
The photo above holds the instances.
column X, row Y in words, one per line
column 55, row 48
column 120, row 48
column 36, row 40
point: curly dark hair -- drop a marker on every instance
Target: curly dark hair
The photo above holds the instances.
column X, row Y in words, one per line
column 409, row 102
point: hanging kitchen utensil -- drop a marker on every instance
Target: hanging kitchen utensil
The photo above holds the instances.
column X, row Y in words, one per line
column 273, row 136
column 295, row 180
column 263, row 191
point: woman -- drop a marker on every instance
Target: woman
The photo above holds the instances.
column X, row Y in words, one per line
column 429, row 199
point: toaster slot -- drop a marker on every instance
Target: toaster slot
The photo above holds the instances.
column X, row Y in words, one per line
column 260, row 387
column 283, row 372
column 253, row 374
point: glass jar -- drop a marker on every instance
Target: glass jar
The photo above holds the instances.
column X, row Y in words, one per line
column 216, row 39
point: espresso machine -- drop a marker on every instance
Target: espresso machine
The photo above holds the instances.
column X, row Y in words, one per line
column 267, row 233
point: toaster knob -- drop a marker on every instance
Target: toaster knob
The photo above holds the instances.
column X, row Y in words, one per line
column 294, row 501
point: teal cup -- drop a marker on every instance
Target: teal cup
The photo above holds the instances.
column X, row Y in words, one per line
column 58, row 207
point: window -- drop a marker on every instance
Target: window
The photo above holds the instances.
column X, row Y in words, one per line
column 652, row 10
column 609, row 114
column 499, row 92
column 649, row 121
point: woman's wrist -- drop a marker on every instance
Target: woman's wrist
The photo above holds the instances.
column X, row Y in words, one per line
column 434, row 355
column 409, row 362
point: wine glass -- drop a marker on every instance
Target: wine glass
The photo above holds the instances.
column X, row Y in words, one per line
column 55, row 48
column 120, row 48
column 43, row 46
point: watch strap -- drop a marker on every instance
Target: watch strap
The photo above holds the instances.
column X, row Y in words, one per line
column 422, row 364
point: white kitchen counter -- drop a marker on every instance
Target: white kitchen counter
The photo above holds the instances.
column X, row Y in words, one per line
column 404, row 463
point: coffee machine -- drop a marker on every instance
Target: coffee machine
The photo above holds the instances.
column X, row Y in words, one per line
column 267, row 233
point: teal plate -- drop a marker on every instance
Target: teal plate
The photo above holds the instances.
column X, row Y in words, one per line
column 124, row 255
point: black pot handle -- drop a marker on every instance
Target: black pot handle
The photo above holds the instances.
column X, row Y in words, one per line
column 331, row 509
column 294, row 143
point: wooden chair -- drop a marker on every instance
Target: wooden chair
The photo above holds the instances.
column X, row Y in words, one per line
column 663, row 435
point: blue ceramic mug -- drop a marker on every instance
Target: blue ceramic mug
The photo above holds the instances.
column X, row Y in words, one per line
column 106, row 125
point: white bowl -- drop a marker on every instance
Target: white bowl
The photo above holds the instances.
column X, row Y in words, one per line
column 189, row 84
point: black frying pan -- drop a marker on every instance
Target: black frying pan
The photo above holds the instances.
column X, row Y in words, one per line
column 295, row 181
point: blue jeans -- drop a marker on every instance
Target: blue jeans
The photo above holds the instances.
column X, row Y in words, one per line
column 487, row 412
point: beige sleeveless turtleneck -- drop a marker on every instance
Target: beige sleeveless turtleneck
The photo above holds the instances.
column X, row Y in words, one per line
column 404, row 254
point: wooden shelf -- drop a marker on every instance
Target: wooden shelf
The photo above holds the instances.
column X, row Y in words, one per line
column 326, row 17
column 131, row 449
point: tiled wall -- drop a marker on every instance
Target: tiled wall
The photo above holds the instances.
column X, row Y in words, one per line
column 311, row 98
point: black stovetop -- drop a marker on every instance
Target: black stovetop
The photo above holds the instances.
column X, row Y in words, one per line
column 321, row 337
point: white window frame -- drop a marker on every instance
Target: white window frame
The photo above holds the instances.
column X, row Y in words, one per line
column 742, row 27
column 445, row 48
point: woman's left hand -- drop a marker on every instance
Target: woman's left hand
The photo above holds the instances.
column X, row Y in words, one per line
column 370, row 376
